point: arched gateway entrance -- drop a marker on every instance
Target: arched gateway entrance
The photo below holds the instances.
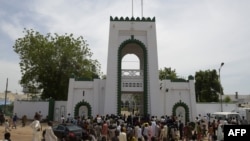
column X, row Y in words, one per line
column 137, row 37
column 132, row 97
column 82, row 109
column 181, row 110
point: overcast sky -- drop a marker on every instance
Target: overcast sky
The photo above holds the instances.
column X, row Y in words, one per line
column 192, row 35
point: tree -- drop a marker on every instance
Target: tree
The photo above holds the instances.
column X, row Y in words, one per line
column 47, row 62
column 227, row 99
column 167, row 73
column 207, row 86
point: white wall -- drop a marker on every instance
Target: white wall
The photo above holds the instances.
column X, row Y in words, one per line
column 204, row 108
column 29, row 108
column 98, row 97
column 60, row 109
column 172, row 92
column 94, row 94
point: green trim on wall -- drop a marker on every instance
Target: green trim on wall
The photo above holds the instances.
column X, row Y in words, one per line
column 51, row 109
column 138, row 19
column 83, row 103
column 83, row 79
column 179, row 80
column 184, row 105
column 145, row 73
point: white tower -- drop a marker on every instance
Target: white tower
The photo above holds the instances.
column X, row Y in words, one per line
column 138, row 37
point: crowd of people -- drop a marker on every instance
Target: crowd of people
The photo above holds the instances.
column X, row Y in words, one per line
column 112, row 127
column 135, row 128
column 150, row 128
column 131, row 128
column 216, row 127
column 11, row 123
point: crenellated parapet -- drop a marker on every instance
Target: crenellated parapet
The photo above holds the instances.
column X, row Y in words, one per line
column 137, row 19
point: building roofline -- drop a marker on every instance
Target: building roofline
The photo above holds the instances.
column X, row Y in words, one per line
column 137, row 19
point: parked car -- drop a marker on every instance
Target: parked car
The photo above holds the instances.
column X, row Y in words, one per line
column 225, row 116
column 68, row 132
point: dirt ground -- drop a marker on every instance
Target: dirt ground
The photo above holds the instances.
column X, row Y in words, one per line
column 20, row 133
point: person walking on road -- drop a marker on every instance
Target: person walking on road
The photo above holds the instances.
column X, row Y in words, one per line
column 49, row 134
column 36, row 127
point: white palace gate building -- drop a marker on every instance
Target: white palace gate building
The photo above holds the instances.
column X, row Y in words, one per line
column 132, row 91
column 127, row 91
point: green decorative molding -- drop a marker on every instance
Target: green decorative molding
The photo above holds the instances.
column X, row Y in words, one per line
column 51, row 109
column 83, row 79
column 179, row 80
column 138, row 19
column 184, row 105
column 145, row 73
column 83, row 103
column 119, row 91
column 190, row 77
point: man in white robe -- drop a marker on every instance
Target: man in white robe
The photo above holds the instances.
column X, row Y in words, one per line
column 49, row 134
column 36, row 127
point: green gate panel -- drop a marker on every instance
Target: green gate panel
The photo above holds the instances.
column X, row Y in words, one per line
column 51, row 109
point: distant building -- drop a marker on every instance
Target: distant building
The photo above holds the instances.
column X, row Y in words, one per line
column 2, row 102
column 241, row 100
column 11, row 97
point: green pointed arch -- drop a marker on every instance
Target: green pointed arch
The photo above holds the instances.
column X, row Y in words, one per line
column 145, row 73
column 184, row 105
column 83, row 103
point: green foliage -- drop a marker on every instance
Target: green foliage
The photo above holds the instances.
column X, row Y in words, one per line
column 104, row 77
column 167, row 73
column 48, row 61
column 227, row 99
column 8, row 109
column 207, row 86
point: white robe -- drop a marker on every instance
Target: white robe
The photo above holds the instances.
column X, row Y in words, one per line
column 36, row 127
column 122, row 136
column 49, row 135
column 220, row 134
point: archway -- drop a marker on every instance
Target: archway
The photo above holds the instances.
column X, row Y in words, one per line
column 136, row 47
column 83, row 108
column 181, row 110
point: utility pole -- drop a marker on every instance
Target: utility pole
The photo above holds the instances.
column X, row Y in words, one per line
column 132, row 8
column 221, row 106
column 141, row 8
column 6, row 91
